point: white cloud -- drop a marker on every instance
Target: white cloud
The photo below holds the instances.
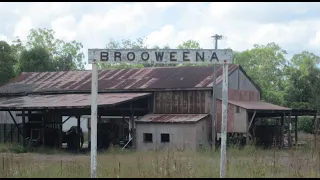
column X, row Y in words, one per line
column 23, row 27
column 4, row 38
column 161, row 37
column 315, row 41
column 221, row 9
column 165, row 4
column 294, row 26
column 65, row 28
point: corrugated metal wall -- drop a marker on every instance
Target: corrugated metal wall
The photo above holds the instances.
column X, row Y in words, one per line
column 182, row 102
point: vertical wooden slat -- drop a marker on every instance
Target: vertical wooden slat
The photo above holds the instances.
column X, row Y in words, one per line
column 203, row 102
column 282, row 130
column 60, row 132
column 11, row 132
column 1, row 129
column 78, row 134
column 296, row 130
column 43, row 130
column 4, row 133
column 179, row 102
column 24, row 129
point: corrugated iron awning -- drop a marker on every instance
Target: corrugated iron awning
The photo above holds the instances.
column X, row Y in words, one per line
column 258, row 105
column 67, row 101
column 171, row 118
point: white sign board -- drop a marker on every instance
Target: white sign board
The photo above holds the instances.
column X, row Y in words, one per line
column 159, row 56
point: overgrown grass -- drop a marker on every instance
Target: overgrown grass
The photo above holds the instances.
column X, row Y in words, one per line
column 245, row 162
column 18, row 148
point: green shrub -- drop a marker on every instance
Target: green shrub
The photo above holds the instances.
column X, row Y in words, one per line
column 305, row 124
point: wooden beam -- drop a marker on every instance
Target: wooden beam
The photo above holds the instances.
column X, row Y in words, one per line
column 78, row 134
column 315, row 131
column 6, row 136
column 66, row 119
column 60, row 132
column 4, row 133
column 249, row 125
column 289, row 132
column 132, row 131
column 252, row 119
column 296, row 130
column 15, row 123
column 282, row 130
column 24, row 129
column 43, row 130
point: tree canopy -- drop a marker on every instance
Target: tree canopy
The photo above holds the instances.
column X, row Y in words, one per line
column 291, row 82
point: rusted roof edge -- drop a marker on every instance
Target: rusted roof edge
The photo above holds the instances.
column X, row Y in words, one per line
column 70, row 107
column 104, row 91
column 174, row 122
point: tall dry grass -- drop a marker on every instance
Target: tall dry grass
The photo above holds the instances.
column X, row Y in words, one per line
column 245, row 162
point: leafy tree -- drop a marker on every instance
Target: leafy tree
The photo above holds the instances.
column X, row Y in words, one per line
column 17, row 47
column 305, row 124
column 190, row 44
column 264, row 64
column 139, row 43
column 124, row 44
column 36, row 59
column 302, row 81
column 7, row 62
column 64, row 55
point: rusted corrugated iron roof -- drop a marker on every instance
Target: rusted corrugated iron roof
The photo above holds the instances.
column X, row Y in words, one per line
column 171, row 118
column 65, row 101
column 257, row 105
column 116, row 79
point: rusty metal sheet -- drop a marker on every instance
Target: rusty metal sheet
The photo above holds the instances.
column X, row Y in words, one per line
column 257, row 105
column 182, row 102
column 65, row 101
column 230, row 120
column 172, row 118
column 241, row 95
column 194, row 77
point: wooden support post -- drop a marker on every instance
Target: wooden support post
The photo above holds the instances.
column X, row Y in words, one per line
column 131, row 126
column 4, row 133
column 247, row 129
column 11, row 133
column 43, row 129
column 315, row 131
column 20, row 131
column 296, row 130
column 66, row 119
column 282, row 130
column 60, row 132
column 289, row 131
column 89, row 133
column 24, row 129
column 78, row 134
column 250, row 124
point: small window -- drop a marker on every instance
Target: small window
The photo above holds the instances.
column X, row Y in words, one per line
column 237, row 109
column 165, row 138
column 147, row 137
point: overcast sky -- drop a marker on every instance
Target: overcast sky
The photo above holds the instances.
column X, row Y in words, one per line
column 294, row 26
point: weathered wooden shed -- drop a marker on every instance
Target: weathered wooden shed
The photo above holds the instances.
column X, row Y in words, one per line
column 154, row 90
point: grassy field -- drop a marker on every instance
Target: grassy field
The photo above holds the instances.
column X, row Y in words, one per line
column 246, row 162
